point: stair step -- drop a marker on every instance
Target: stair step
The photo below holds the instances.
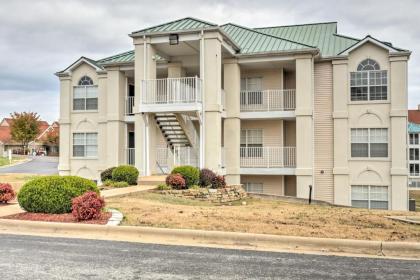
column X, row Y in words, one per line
column 151, row 180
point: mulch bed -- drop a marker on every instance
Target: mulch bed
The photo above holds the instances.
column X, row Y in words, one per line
column 60, row 218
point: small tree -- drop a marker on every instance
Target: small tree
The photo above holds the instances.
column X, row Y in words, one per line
column 24, row 127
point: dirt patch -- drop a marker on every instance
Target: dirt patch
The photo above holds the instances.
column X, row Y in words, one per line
column 61, row 218
column 264, row 216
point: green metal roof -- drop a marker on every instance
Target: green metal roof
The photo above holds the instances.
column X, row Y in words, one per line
column 322, row 35
column 124, row 57
column 252, row 41
column 182, row 24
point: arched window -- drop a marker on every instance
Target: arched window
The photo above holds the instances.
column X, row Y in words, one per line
column 85, row 81
column 368, row 83
column 85, row 95
column 367, row 65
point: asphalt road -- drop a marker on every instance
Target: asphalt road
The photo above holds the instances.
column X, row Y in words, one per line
column 27, row 257
column 39, row 165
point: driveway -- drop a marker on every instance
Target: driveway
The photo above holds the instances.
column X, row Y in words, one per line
column 29, row 257
column 38, row 165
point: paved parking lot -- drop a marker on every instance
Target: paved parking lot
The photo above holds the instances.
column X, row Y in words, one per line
column 38, row 165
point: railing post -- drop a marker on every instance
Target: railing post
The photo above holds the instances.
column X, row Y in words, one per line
column 268, row 100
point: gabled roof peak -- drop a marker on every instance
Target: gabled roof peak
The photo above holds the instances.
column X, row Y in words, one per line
column 177, row 25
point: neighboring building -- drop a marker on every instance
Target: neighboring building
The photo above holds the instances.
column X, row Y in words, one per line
column 276, row 109
column 414, row 148
column 41, row 144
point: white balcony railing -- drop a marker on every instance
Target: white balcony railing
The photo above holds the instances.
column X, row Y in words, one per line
column 268, row 157
column 172, row 91
column 129, row 105
column 130, row 156
column 268, row 100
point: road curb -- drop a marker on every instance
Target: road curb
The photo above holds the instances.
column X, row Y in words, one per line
column 232, row 240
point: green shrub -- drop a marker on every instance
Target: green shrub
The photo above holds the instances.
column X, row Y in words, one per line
column 53, row 194
column 190, row 174
column 126, row 173
column 108, row 183
column 107, row 174
column 163, row 187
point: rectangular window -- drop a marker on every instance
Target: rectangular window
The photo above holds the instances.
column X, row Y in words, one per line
column 251, row 143
column 414, row 169
column 369, row 85
column 254, row 187
column 85, row 144
column 414, row 139
column 414, row 154
column 85, row 98
column 369, row 142
column 371, row 197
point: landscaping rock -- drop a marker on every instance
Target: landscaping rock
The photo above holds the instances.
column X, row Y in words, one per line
column 222, row 195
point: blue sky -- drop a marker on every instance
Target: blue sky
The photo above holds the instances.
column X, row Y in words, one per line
column 40, row 37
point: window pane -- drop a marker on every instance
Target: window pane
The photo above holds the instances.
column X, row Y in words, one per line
column 378, row 150
column 91, row 151
column 359, row 93
column 378, row 93
column 359, row 135
column 359, row 192
column 79, row 92
column 78, row 151
column 379, row 135
column 379, row 193
column 91, row 103
column 359, row 150
column 78, row 138
column 254, row 136
column 91, row 92
column 91, row 138
column 360, row 203
column 79, row 104
column 414, row 154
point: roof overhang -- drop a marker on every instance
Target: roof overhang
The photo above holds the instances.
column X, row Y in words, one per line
column 75, row 64
column 369, row 39
column 275, row 56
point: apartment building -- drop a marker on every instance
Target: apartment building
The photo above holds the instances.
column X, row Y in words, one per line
column 414, row 149
column 277, row 109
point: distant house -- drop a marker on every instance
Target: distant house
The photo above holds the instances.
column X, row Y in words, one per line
column 414, row 148
column 46, row 142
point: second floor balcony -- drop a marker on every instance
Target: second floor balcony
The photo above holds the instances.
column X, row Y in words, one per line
column 171, row 94
column 268, row 103
column 268, row 160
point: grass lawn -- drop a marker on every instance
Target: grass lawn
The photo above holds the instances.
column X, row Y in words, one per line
column 16, row 180
column 263, row 216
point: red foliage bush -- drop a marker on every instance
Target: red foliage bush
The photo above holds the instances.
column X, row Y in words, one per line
column 87, row 206
column 176, row 181
column 218, row 182
column 6, row 193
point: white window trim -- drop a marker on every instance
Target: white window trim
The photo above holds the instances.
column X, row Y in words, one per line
column 85, row 110
column 369, row 157
column 85, row 139
column 368, row 101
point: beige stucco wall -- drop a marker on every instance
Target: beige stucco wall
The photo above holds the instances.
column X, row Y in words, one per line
column 371, row 114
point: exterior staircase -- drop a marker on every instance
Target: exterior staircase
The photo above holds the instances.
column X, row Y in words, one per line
column 172, row 130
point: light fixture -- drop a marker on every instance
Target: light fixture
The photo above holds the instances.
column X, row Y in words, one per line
column 173, row 39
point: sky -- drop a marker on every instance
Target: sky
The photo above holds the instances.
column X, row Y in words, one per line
column 41, row 37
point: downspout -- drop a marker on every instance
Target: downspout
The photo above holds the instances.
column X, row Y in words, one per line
column 313, row 125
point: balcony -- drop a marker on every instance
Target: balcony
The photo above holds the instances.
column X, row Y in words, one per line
column 268, row 160
column 271, row 103
column 171, row 95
